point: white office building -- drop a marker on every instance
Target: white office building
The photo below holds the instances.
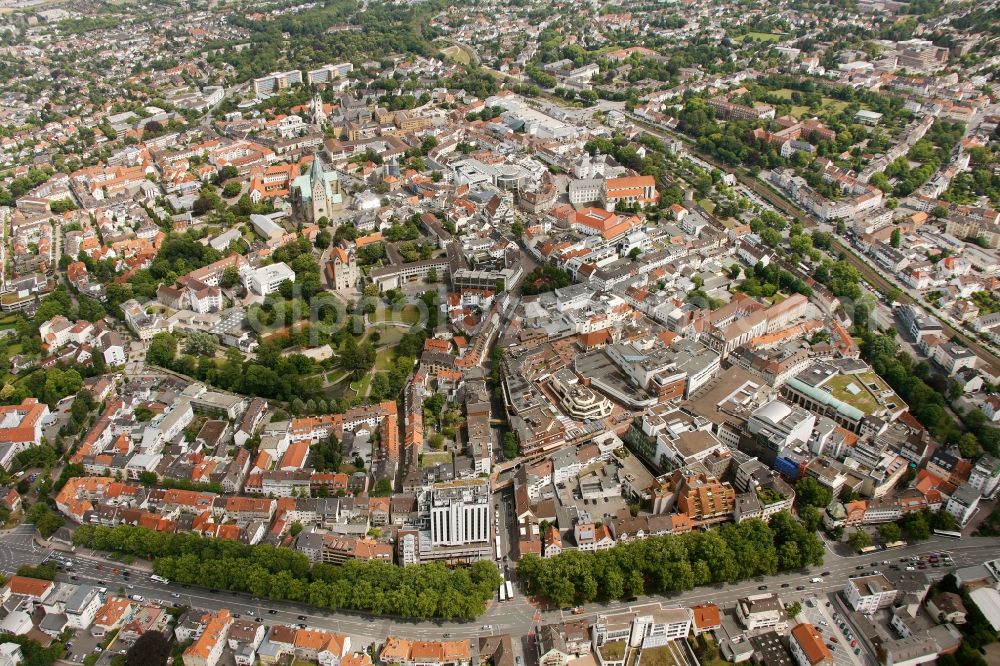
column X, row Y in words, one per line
column 460, row 512
column 762, row 611
column 328, row 73
column 276, row 81
column 963, row 503
column 266, row 279
column 869, row 593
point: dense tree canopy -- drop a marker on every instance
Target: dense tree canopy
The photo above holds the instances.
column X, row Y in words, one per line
column 674, row 563
column 419, row 591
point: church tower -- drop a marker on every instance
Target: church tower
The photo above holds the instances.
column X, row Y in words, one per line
column 317, row 188
column 316, row 112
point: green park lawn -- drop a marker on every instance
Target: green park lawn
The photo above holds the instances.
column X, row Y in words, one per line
column 758, row 37
column 409, row 314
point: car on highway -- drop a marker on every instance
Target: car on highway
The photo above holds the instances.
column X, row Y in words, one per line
column 800, row 587
column 273, row 612
column 825, row 573
column 859, row 567
column 834, row 639
column 250, row 613
column 487, row 627
column 175, row 595
column 762, row 587
column 302, row 617
column 784, row 585
column 213, row 591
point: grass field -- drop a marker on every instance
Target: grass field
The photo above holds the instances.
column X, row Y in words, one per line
column 336, row 375
column 457, row 54
column 432, row 459
column 759, row 37
column 828, row 106
column 707, row 204
column 408, row 315
column 383, row 359
column 360, row 387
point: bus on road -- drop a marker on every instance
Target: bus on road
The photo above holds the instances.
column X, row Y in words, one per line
column 951, row 534
column 510, row 589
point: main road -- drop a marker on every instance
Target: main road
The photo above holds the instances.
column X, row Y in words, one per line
column 517, row 617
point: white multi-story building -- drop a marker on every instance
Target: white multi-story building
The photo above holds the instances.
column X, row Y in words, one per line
column 585, row 190
column 460, row 512
column 869, row 593
column 276, row 81
column 656, row 629
column 963, row 503
column 328, row 73
column 267, row 279
column 985, row 476
column 782, row 424
column 762, row 611
column 171, row 424
column 81, row 607
column 110, row 344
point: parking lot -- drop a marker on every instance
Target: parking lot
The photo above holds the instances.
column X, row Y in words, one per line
column 83, row 644
column 819, row 613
